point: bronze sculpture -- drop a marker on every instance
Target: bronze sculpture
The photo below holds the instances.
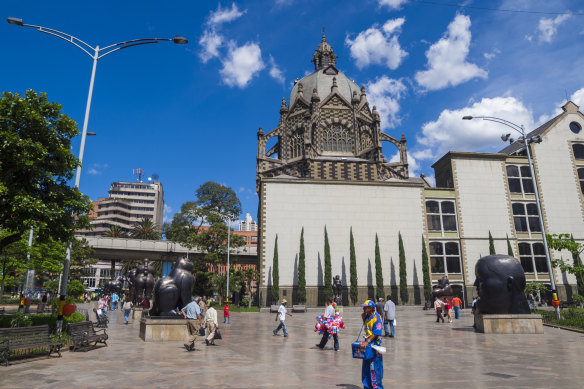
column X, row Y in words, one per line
column 338, row 288
column 443, row 288
column 174, row 291
column 500, row 281
column 141, row 280
column 113, row 286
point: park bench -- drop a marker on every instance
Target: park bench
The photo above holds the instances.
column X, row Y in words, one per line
column 102, row 319
column 298, row 308
column 274, row 308
column 2, row 311
column 26, row 338
column 83, row 333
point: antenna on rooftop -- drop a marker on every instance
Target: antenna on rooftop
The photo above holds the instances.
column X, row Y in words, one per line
column 138, row 172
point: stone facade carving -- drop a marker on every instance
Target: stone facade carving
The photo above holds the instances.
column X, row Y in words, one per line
column 328, row 131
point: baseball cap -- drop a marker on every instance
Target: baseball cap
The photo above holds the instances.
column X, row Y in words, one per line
column 368, row 303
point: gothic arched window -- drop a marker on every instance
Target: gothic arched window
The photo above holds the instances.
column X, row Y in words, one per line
column 297, row 144
column 366, row 140
column 337, row 138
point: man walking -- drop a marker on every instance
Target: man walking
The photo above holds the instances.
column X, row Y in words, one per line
column 281, row 315
column 389, row 317
column 329, row 312
column 211, row 323
column 372, row 369
column 192, row 312
column 457, row 304
column 438, row 308
column 115, row 299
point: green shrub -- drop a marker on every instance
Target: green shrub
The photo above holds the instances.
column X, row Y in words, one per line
column 19, row 319
column 38, row 319
column 244, row 302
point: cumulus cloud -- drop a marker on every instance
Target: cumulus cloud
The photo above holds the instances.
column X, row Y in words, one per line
column 210, row 43
column 378, row 45
column 492, row 54
column 385, row 93
column 392, row 4
column 447, row 65
column 212, row 40
column 450, row 133
column 276, row 72
column 93, row 171
column 242, row 64
column 225, row 15
column 547, row 28
column 576, row 98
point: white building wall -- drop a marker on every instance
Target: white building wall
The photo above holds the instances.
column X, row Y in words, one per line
column 369, row 209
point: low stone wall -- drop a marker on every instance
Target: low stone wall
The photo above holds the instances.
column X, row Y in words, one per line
column 509, row 324
column 162, row 330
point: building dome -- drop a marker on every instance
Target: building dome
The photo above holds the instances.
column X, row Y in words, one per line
column 322, row 81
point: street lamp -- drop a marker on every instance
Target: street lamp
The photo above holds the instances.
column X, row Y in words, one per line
column 96, row 53
column 527, row 141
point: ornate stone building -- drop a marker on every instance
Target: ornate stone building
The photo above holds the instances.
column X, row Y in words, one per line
column 328, row 131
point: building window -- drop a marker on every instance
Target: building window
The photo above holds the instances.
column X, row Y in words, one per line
column 88, row 282
column 581, row 178
column 526, row 217
column 337, row 139
column 578, row 151
column 575, row 127
column 532, row 256
column 297, row 144
column 105, row 273
column 519, row 178
column 445, row 258
column 441, row 215
column 254, row 238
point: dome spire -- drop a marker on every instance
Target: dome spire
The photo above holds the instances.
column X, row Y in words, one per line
column 324, row 54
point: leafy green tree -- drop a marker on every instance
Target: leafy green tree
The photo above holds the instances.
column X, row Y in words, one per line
column 509, row 248
column 75, row 288
column 115, row 231
column 301, row 294
column 426, row 272
column 403, row 275
column 12, row 263
column 354, row 291
column 379, row 293
column 36, row 165
column 566, row 242
column 328, row 276
column 145, row 229
column 491, row 245
column 249, row 276
column 275, row 274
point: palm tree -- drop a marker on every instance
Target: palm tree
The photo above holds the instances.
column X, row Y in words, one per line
column 146, row 229
column 115, row 232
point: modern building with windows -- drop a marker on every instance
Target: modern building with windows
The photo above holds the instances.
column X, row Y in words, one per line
column 248, row 224
column 127, row 204
column 322, row 169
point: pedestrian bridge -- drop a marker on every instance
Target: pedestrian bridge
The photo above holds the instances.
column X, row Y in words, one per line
column 154, row 250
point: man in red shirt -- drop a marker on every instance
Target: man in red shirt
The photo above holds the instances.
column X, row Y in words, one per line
column 457, row 304
column 226, row 314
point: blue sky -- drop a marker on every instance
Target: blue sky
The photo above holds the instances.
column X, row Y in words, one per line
column 190, row 113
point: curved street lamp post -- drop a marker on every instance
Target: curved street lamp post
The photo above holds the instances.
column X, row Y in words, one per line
column 527, row 141
column 96, row 53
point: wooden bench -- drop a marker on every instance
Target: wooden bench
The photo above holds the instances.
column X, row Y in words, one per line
column 298, row 308
column 26, row 338
column 102, row 319
column 83, row 333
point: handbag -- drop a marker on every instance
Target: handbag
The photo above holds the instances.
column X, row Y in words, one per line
column 356, row 348
column 218, row 334
column 202, row 331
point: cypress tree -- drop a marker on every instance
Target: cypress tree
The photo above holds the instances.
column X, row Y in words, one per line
column 509, row 248
column 579, row 276
column 403, row 275
column 353, row 268
column 491, row 244
column 328, row 277
column 378, row 271
column 426, row 272
column 301, row 295
column 275, row 274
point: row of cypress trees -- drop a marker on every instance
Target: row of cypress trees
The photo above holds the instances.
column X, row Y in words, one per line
column 353, row 289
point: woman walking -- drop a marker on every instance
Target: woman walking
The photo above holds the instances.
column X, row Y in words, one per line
column 127, row 307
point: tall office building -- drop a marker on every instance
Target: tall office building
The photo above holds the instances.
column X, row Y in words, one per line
column 127, row 204
column 248, row 224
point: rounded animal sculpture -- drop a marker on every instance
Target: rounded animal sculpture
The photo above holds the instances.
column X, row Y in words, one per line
column 443, row 288
column 500, row 281
column 174, row 291
column 113, row 286
column 141, row 280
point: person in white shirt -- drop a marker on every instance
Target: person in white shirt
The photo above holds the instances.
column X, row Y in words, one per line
column 211, row 323
column 389, row 317
column 328, row 312
column 281, row 315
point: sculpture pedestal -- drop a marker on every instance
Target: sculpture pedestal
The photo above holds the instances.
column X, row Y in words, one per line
column 509, row 324
column 162, row 330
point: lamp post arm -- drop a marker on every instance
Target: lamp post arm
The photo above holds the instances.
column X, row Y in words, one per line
column 124, row 45
column 507, row 123
column 66, row 37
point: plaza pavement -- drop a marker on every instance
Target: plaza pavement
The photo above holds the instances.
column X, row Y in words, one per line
column 423, row 354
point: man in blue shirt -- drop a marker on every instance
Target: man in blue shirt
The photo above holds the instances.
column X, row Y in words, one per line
column 115, row 299
column 372, row 370
column 192, row 312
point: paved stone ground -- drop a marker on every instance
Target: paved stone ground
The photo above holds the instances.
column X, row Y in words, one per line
column 423, row 354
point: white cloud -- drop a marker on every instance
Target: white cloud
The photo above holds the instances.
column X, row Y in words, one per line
column 378, row 45
column 492, row 54
column 450, row 133
column 423, row 154
column 392, row 4
column 167, row 208
column 242, row 64
column 225, row 15
column 447, row 64
column 385, row 94
column 93, row 171
column 276, row 72
column 210, row 43
column 578, row 98
column 549, row 27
